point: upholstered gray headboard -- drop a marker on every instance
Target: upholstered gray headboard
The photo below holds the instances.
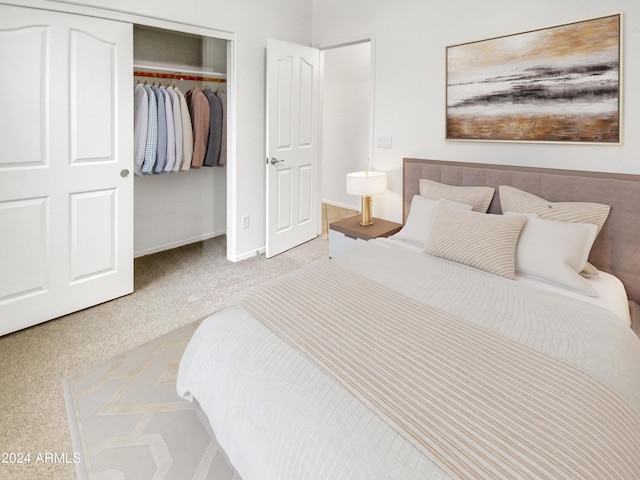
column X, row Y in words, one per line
column 617, row 248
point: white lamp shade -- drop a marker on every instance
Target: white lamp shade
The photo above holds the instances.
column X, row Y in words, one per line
column 366, row 183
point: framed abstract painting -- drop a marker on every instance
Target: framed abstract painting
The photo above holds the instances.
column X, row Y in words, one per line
column 556, row 84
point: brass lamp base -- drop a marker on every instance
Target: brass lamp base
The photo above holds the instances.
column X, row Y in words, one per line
column 367, row 219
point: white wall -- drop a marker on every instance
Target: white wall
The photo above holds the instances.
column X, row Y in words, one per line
column 410, row 41
column 346, row 95
column 252, row 22
column 175, row 209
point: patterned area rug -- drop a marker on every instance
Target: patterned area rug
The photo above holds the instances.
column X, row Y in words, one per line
column 128, row 422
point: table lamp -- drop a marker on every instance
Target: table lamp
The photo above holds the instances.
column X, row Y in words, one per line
column 366, row 184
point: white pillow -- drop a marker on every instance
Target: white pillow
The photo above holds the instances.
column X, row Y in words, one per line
column 420, row 219
column 590, row 271
column 555, row 252
column 478, row 197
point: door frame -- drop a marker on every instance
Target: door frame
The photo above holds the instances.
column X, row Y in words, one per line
column 339, row 43
column 230, row 37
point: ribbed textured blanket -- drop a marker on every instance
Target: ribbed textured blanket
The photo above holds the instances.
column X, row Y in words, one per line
column 480, row 405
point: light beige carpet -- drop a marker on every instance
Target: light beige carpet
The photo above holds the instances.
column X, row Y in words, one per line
column 172, row 289
column 127, row 421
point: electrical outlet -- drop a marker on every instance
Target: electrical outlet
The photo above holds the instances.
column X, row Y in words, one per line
column 245, row 221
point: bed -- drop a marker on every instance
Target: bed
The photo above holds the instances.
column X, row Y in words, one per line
column 391, row 363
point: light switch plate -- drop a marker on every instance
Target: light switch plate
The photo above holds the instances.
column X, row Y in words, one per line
column 384, row 141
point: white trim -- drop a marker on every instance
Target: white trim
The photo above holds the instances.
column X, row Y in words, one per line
column 137, row 66
column 252, row 253
column 372, row 100
column 176, row 244
column 118, row 15
column 320, row 135
column 343, row 205
column 346, row 41
column 232, row 164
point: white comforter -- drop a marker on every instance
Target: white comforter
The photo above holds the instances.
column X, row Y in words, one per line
column 277, row 416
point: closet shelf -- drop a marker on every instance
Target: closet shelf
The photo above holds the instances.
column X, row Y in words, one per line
column 177, row 74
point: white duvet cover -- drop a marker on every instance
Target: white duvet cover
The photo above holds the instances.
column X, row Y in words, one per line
column 278, row 416
column 611, row 294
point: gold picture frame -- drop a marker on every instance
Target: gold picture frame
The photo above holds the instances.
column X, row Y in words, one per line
column 554, row 84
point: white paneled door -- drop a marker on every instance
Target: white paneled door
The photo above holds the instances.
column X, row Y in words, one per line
column 66, row 135
column 292, row 145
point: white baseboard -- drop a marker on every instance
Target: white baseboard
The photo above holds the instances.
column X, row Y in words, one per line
column 176, row 244
column 249, row 254
column 342, row 205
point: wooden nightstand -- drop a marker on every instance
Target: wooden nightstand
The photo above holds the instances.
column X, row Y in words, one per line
column 347, row 234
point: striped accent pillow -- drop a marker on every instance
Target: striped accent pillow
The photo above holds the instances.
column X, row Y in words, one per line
column 478, row 197
column 418, row 225
column 519, row 201
column 486, row 242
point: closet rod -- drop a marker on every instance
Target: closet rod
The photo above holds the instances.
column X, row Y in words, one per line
column 178, row 76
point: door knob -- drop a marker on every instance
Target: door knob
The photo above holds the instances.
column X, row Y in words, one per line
column 124, row 173
column 274, row 160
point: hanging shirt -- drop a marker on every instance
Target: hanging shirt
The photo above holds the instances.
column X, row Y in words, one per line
column 187, row 131
column 140, row 125
column 161, row 153
column 177, row 125
column 152, row 133
column 200, row 118
column 222, row 161
column 171, row 136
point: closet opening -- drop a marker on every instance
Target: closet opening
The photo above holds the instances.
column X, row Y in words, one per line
column 178, row 206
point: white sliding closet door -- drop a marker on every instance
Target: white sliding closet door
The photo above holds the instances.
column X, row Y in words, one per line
column 66, row 146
